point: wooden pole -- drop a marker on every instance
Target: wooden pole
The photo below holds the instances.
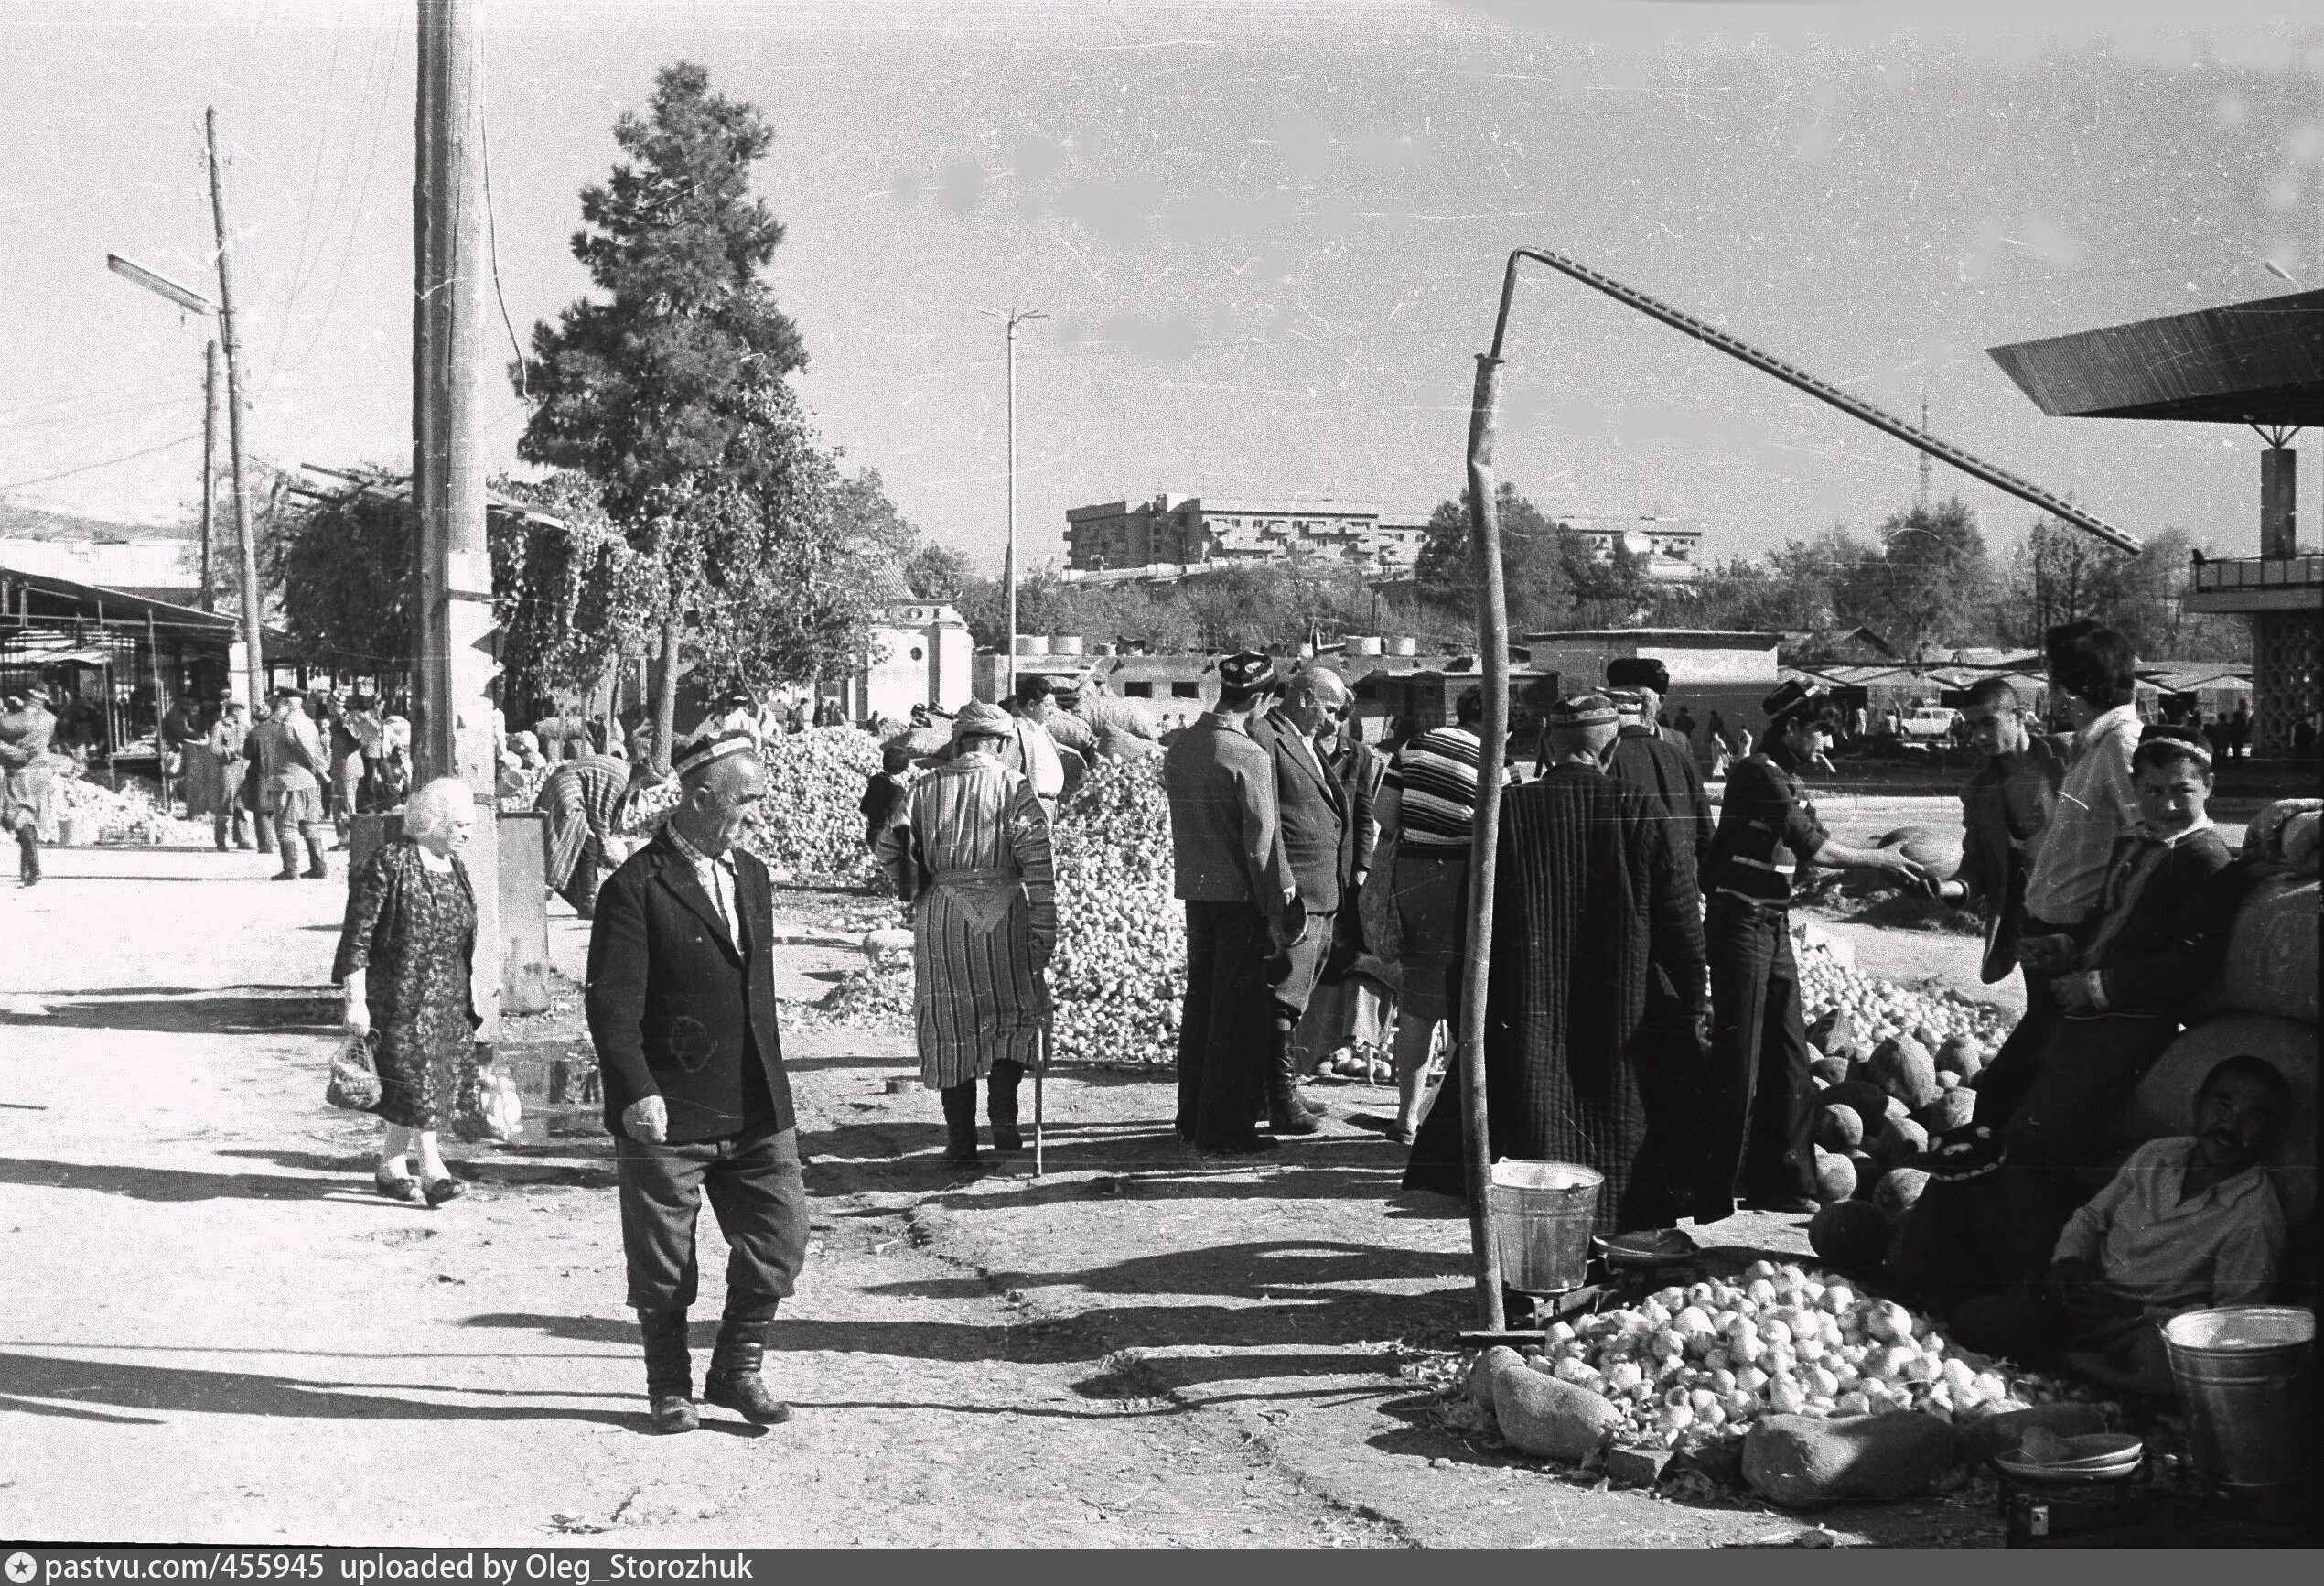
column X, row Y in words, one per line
column 1484, row 841
column 254, row 603
column 452, row 732
column 209, row 466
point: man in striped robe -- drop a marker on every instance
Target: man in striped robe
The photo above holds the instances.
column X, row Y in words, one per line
column 581, row 797
column 1590, row 1049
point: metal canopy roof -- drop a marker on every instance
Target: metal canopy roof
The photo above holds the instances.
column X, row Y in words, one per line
column 2256, row 362
column 117, row 605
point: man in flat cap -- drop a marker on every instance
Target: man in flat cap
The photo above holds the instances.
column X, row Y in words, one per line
column 293, row 769
column 1768, row 829
column 1591, row 1048
column 682, row 1010
column 1241, row 906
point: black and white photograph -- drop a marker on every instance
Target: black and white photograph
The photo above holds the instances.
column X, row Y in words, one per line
column 785, row 776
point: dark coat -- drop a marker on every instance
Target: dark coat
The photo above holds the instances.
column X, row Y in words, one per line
column 2174, row 934
column 1649, row 764
column 1311, row 810
column 2004, row 810
column 1226, row 843
column 1585, row 1060
column 674, row 1008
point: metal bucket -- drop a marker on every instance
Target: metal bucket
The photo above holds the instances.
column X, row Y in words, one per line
column 1542, row 1215
column 2242, row 1371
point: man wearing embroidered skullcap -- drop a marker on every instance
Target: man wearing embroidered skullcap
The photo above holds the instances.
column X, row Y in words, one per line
column 1590, row 1049
column 1767, row 828
column 682, row 1009
column 1241, row 906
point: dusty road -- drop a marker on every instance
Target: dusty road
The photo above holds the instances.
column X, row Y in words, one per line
column 213, row 1330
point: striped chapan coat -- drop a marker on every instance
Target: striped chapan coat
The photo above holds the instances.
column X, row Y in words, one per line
column 970, row 845
column 581, row 797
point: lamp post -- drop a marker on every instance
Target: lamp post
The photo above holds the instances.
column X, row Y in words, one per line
column 1015, row 316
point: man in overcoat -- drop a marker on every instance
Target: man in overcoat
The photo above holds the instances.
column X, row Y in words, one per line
column 682, row 1008
column 1241, row 904
column 1658, row 761
column 1598, row 977
column 1319, row 842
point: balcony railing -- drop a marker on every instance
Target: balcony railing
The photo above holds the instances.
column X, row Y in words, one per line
column 2260, row 573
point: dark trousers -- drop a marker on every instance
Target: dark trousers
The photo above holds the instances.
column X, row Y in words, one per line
column 760, row 1202
column 27, row 850
column 1226, row 1031
column 1765, row 1104
column 2063, row 1125
column 1969, row 1239
column 2019, row 1064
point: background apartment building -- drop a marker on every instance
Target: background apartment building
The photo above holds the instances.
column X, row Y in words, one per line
column 1170, row 534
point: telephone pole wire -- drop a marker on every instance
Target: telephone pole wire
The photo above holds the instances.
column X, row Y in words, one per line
column 209, row 466
column 1015, row 316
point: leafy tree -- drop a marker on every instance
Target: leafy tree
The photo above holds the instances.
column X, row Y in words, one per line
column 668, row 390
column 2058, row 574
column 1929, row 585
column 573, row 596
column 935, row 572
column 1537, row 559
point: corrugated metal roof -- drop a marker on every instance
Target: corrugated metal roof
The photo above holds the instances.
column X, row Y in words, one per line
column 2256, row 362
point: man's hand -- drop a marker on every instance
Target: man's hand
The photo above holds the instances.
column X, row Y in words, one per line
column 2071, row 1275
column 1044, row 949
column 2045, row 954
column 1910, row 871
column 2072, row 993
column 648, row 1120
column 356, row 1018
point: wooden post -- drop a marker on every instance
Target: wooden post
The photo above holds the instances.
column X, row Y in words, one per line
column 253, row 601
column 452, row 732
column 209, row 466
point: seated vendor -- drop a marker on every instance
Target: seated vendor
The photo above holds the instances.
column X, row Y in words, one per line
column 2189, row 1222
column 2124, row 985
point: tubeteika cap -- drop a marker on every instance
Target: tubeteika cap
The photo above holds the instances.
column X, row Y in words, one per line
column 1628, row 703
column 1637, row 672
column 1248, row 672
column 697, row 752
column 1580, row 711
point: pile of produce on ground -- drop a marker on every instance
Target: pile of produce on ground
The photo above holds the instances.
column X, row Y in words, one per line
column 1895, row 1068
column 1802, row 1371
column 131, row 815
column 808, row 824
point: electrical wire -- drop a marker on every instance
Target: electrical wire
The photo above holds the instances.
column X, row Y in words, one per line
column 107, row 462
column 493, row 225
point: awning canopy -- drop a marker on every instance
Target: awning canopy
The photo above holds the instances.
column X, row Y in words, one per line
column 2256, row 362
column 55, row 598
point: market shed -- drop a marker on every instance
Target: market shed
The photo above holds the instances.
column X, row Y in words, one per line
column 2259, row 364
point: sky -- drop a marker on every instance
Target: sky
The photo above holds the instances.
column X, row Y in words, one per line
column 1267, row 238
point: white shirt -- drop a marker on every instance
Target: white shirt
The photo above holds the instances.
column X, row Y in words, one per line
column 717, row 879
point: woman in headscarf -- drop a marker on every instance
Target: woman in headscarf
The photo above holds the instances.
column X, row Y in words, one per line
column 969, row 851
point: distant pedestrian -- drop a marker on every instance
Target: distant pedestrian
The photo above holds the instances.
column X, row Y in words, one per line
column 885, row 790
column 404, row 952
column 1685, row 722
column 226, row 744
column 27, row 782
column 2239, row 731
column 291, row 769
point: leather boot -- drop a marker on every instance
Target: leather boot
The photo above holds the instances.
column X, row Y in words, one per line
column 1287, row 1112
column 27, row 853
column 959, row 1122
column 1000, row 1105
column 733, row 1381
column 287, row 845
column 669, row 1371
column 317, row 871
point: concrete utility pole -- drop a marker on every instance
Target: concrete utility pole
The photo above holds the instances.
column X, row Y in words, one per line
column 209, row 465
column 254, row 602
column 1015, row 316
column 452, row 726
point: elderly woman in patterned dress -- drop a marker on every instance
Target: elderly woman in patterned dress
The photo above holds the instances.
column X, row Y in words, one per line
column 403, row 956
column 969, row 850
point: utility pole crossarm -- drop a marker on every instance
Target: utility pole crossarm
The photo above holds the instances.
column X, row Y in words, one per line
column 1822, row 390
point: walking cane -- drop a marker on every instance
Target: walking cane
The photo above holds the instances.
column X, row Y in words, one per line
column 1040, row 1067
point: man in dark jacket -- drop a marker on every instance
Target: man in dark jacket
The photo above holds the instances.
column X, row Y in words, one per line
column 1648, row 763
column 682, row 1008
column 1598, row 977
column 2004, row 810
column 1319, row 842
column 1241, row 903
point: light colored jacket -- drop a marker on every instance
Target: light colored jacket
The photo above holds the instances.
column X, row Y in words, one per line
column 2095, row 807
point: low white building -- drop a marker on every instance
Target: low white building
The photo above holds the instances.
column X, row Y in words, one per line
column 918, row 653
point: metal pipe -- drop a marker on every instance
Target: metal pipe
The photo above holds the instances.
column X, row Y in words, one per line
column 1975, row 467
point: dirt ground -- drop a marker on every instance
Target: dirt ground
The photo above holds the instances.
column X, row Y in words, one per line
column 214, row 1332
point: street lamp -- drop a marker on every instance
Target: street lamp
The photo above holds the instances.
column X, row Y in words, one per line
column 1015, row 316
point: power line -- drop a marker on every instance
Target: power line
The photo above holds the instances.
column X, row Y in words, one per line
column 108, row 462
